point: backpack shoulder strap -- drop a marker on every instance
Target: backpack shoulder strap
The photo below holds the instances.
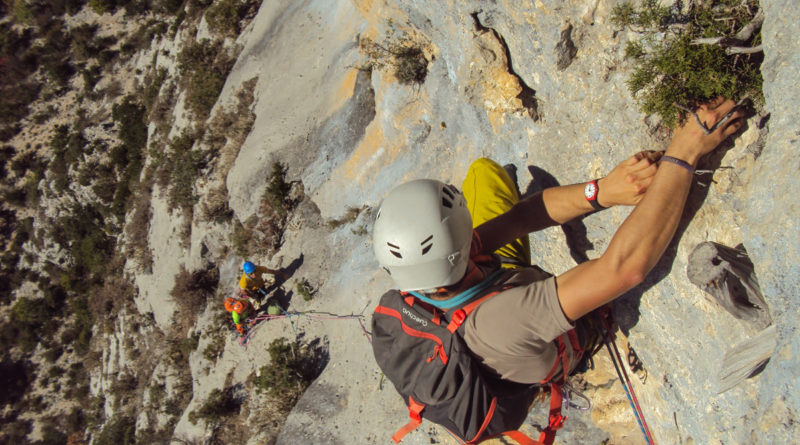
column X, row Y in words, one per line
column 459, row 316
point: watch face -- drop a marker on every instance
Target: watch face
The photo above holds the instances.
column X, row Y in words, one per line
column 590, row 191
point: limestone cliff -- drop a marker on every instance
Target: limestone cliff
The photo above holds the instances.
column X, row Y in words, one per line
column 314, row 85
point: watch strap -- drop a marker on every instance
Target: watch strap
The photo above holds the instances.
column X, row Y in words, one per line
column 595, row 205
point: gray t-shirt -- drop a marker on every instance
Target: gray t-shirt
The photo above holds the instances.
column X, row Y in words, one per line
column 513, row 332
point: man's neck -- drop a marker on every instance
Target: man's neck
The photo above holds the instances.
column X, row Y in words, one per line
column 470, row 279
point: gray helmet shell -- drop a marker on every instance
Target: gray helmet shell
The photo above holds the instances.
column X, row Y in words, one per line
column 422, row 235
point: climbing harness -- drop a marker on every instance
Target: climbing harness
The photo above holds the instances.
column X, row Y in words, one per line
column 574, row 399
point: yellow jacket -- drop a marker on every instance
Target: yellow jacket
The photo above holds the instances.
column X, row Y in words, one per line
column 253, row 284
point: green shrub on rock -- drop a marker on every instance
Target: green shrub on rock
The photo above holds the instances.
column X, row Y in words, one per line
column 671, row 66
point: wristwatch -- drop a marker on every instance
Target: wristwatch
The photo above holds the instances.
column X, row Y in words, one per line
column 590, row 191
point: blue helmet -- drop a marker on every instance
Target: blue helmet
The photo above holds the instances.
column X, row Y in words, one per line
column 248, row 267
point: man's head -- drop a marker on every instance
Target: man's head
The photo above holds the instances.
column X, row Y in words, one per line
column 422, row 235
column 248, row 267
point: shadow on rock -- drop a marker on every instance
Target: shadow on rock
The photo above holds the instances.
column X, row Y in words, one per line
column 626, row 308
column 275, row 288
column 575, row 230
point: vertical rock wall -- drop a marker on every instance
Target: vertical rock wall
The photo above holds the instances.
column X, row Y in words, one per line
column 504, row 81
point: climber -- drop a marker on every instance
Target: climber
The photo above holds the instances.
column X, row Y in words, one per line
column 240, row 310
column 251, row 283
column 440, row 246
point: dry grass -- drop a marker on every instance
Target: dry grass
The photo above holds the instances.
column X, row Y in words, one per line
column 215, row 206
column 229, row 128
column 138, row 228
column 190, row 293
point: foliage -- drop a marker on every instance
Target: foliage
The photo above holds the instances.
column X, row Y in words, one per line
column 152, row 86
column 225, row 16
column 670, row 69
column 304, row 288
column 220, row 403
column 18, row 88
column 192, row 289
column 179, row 349
column 144, row 36
column 401, row 54
column 204, row 66
column 183, row 166
column 350, row 215
column 215, row 207
column 82, row 233
column 214, row 347
column 291, row 369
column 277, row 191
column 120, row 430
column 129, row 155
column 15, row 378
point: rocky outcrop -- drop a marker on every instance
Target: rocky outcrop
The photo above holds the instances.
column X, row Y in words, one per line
column 540, row 86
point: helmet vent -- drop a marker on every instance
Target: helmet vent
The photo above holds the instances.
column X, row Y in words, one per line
column 394, row 252
column 387, row 270
column 426, row 249
column 447, row 203
column 448, row 192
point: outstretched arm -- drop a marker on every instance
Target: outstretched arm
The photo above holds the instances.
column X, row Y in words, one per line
column 625, row 185
column 644, row 235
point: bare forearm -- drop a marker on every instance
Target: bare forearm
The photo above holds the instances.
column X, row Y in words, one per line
column 644, row 235
column 641, row 240
column 544, row 209
column 633, row 251
column 565, row 203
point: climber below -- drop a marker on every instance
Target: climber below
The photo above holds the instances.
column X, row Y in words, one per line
column 252, row 284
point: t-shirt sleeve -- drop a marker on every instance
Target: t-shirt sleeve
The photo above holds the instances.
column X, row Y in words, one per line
column 243, row 281
column 513, row 332
column 518, row 317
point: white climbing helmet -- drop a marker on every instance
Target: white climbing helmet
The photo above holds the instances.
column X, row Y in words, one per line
column 422, row 235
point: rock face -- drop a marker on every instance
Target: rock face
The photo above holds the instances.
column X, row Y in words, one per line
column 504, row 81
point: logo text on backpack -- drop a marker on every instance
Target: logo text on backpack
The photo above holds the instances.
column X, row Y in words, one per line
column 421, row 321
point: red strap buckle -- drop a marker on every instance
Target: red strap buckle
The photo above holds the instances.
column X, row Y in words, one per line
column 556, row 421
column 458, row 317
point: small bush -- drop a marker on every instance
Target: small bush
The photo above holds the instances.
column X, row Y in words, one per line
column 402, row 55
column 152, row 86
column 179, row 349
column 219, row 404
column 129, row 156
column 304, row 289
column 215, row 207
column 28, row 161
column 192, row 289
column 214, row 348
column 670, row 69
column 291, row 369
column 120, row 430
column 204, row 67
column 183, row 165
column 277, row 192
column 223, row 17
column 350, row 215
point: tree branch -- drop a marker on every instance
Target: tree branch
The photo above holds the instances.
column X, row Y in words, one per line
column 739, row 39
column 724, row 119
column 744, row 49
